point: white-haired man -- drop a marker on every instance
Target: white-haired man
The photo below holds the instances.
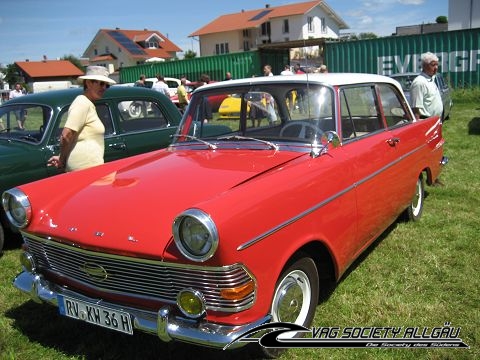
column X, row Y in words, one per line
column 425, row 96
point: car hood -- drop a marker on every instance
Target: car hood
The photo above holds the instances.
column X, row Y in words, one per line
column 129, row 205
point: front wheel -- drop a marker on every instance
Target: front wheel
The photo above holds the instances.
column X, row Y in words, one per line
column 295, row 298
column 415, row 209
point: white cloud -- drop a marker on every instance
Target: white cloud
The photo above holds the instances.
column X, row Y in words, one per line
column 411, row 2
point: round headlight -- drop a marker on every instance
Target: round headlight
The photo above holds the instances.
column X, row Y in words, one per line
column 17, row 207
column 195, row 235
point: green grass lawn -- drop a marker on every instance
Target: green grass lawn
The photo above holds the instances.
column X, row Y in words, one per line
column 420, row 274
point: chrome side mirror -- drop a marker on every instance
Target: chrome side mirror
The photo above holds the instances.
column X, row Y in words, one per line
column 328, row 137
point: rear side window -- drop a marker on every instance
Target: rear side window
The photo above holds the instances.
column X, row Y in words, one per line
column 392, row 105
column 140, row 115
column 360, row 112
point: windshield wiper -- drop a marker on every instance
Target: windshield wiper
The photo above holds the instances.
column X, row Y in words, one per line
column 210, row 145
column 238, row 137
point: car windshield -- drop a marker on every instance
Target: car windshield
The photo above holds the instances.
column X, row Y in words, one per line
column 25, row 122
column 281, row 113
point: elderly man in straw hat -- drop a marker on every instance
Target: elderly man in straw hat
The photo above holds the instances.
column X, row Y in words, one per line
column 82, row 138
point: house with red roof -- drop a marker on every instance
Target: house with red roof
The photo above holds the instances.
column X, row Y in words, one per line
column 294, row 25
column 116, row 48
column 51, row 73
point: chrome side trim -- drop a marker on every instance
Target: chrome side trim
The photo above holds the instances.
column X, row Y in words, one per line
column 324, row 202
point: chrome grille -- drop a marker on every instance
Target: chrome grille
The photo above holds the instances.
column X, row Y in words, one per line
column 139, row 277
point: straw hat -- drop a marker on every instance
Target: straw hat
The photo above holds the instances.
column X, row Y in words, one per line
column 99, row 73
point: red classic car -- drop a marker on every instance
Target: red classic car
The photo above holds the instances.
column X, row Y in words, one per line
column 238, row 223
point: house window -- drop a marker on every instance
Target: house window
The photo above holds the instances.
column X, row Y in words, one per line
column 324, row 25
column 310, row 24
column 266, row 29
column 152, row 44
column 95, row 52
column 246, row 33
column 286, row 27
column 246, row 45
column 107, row 50
column 222, row 48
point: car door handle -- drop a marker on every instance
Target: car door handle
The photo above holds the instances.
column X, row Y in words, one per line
column 393, row 141
column 118, row 146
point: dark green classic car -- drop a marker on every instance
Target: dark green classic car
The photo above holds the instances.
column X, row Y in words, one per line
column 136, row 120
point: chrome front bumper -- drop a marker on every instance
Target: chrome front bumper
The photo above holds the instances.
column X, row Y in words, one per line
column 166, row 325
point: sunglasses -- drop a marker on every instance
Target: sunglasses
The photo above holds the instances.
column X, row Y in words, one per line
column 102, row 83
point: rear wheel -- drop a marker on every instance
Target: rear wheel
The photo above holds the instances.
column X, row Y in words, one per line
column 415, row 209
column 295, row 298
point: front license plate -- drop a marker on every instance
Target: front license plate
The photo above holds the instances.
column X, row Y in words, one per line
column 95, row 314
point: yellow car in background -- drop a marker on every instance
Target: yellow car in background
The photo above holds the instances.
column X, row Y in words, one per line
column 256, row 105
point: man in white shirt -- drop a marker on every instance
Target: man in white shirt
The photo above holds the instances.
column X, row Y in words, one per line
column 286, row 70
column 425, row 96
column 161, row 85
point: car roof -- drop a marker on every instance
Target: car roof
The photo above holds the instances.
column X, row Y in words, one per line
column 66, row 96
column 405, row 74
column 332, row 79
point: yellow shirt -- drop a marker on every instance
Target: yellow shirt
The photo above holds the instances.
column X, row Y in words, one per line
column 90, row 146
column 182, row 94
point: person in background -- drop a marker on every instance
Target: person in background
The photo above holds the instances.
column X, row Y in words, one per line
column 297, row 69
column 141, row 81
column 183, row 100
column 300, row 92
column 206, row 108
column 82, row 139
column 286, row 70
column 267, row 70
column 161, row 85
column 21, row 115
column 323, row 69
column 425, row 96
column 228, row 76
column 290, row 97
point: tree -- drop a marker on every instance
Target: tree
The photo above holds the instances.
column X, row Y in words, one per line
column 75, row 61
column 190, row 54
column 367, row 35
column 12, row 74
column 441, row 19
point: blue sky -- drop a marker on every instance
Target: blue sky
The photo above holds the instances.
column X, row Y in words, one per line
column 55, row 28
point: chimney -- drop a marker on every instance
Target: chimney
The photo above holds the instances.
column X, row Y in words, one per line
column 44, row 58
column 267, row 6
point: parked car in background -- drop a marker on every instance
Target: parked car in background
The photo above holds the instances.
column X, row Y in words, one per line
column 172, row 83
column 405, row 79
column 136, row 121
column 239, row 222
